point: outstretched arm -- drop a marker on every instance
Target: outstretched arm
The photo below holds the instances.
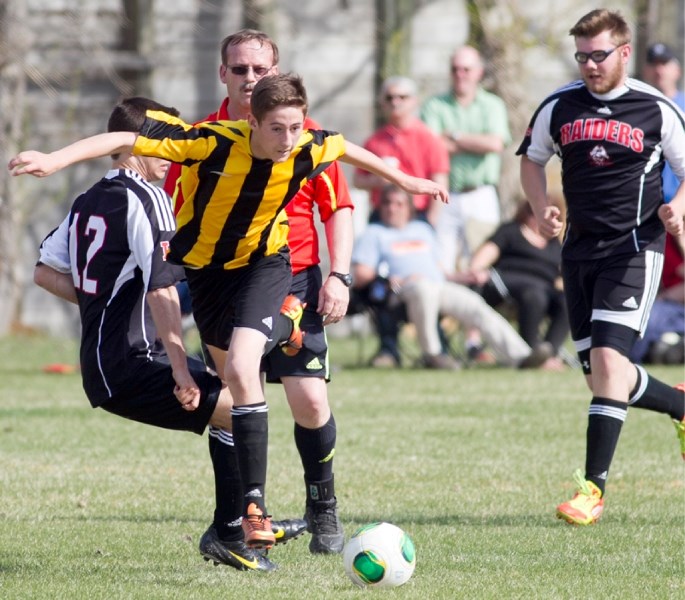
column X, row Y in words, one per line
column 39, row 164
column 362, row 158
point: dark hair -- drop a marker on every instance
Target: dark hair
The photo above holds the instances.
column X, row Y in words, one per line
column 391, row 188
column 273, row 91
column 523, row 212
column 599, row 20
column 129, row 114
column 248, row 35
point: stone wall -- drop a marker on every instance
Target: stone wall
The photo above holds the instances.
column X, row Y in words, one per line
column 80, row 65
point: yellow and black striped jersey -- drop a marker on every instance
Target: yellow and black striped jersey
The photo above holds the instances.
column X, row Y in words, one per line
column 233, row 214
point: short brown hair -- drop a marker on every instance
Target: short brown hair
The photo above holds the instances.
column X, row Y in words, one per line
column 274, row 91
column 248, row 35
column 599, row 20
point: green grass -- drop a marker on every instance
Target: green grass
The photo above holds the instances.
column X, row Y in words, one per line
column 470, row 464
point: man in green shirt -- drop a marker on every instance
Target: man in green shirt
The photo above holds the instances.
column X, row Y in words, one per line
column 473, row 123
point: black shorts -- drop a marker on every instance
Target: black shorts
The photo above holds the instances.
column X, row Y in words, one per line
column 618, row 290
column 249, row 297
column 150, row 397
column 312, row 360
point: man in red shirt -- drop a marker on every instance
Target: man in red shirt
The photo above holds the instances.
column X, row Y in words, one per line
column 405, row 142
column 247, row 56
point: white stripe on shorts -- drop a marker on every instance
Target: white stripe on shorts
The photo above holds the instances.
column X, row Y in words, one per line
column 637, row 319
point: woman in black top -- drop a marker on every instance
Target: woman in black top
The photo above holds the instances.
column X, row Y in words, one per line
column 518, row 265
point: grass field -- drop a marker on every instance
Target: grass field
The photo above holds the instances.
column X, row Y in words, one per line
column 470, row 464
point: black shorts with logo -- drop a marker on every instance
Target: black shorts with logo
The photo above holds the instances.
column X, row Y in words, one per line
column 312, row 360
column 617, row 291
column 250, row 297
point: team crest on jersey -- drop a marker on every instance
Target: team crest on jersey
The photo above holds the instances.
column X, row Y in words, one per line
column 599, row 156
column 165, row 249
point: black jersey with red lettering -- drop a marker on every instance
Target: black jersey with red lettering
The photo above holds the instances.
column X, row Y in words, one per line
column 612, row 149
column 114, row 243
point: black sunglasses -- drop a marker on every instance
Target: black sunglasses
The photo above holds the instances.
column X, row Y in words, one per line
column 391, row 97
column 243, row 69
column 597, row 56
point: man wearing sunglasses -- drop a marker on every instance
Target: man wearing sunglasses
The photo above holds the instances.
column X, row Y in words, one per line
column 612, row 134
column 406, row 142
column 246, row 57
column 474, row 126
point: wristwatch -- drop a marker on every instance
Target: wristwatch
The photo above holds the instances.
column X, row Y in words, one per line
column 346, row 278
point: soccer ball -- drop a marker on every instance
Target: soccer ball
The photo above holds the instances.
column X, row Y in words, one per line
column 379, row 555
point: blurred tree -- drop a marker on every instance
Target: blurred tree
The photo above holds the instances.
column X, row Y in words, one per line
column 14, row 44
column 393, row 37
column 258, row 14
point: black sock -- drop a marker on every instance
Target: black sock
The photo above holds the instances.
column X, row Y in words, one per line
column 605, row 418
column 316, row 448
column 251, row 438
column 652, row 394
column 227, row 488
column 320, row 491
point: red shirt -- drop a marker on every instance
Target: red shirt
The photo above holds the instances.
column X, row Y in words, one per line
column 328, row 191
column 418, row 150
column 672, row 274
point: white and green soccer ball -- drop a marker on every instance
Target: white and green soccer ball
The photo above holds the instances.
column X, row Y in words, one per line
column 379, row 555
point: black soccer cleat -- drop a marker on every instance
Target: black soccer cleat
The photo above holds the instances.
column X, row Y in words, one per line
column 236, row 554
column 324, row 525
column 288, row 529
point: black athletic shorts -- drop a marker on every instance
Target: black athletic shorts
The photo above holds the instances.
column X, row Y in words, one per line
column 617, row 290
column 150, row 397
column 312, row 360
column 250, row 297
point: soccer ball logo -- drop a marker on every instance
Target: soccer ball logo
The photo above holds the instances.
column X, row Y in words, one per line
column 379, row 555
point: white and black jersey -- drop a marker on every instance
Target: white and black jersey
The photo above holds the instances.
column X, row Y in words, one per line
column 612, row 149
column 114, row 243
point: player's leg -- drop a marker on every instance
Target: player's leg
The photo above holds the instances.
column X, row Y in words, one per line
column 587, row 504
column 315, row 438
column 623, row 289
column 634, row 282
column 258, row 294
column 223, row 542
column 304, row 378
column 157, row 405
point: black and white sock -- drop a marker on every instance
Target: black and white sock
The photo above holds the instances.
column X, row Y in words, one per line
column 251, row 439
column 651, row 394
column 605, row 419
column 227, row 487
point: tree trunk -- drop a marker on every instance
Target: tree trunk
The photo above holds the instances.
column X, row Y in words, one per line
column 497, row 30
column 13, row 47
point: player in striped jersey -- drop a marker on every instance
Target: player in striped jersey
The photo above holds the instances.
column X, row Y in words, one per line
column 109, row 257
column 232, row 239
column 612, row 134
column 246, row 57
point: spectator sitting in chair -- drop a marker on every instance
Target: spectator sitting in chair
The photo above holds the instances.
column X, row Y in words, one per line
column 407, row 248
column 519, row 265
